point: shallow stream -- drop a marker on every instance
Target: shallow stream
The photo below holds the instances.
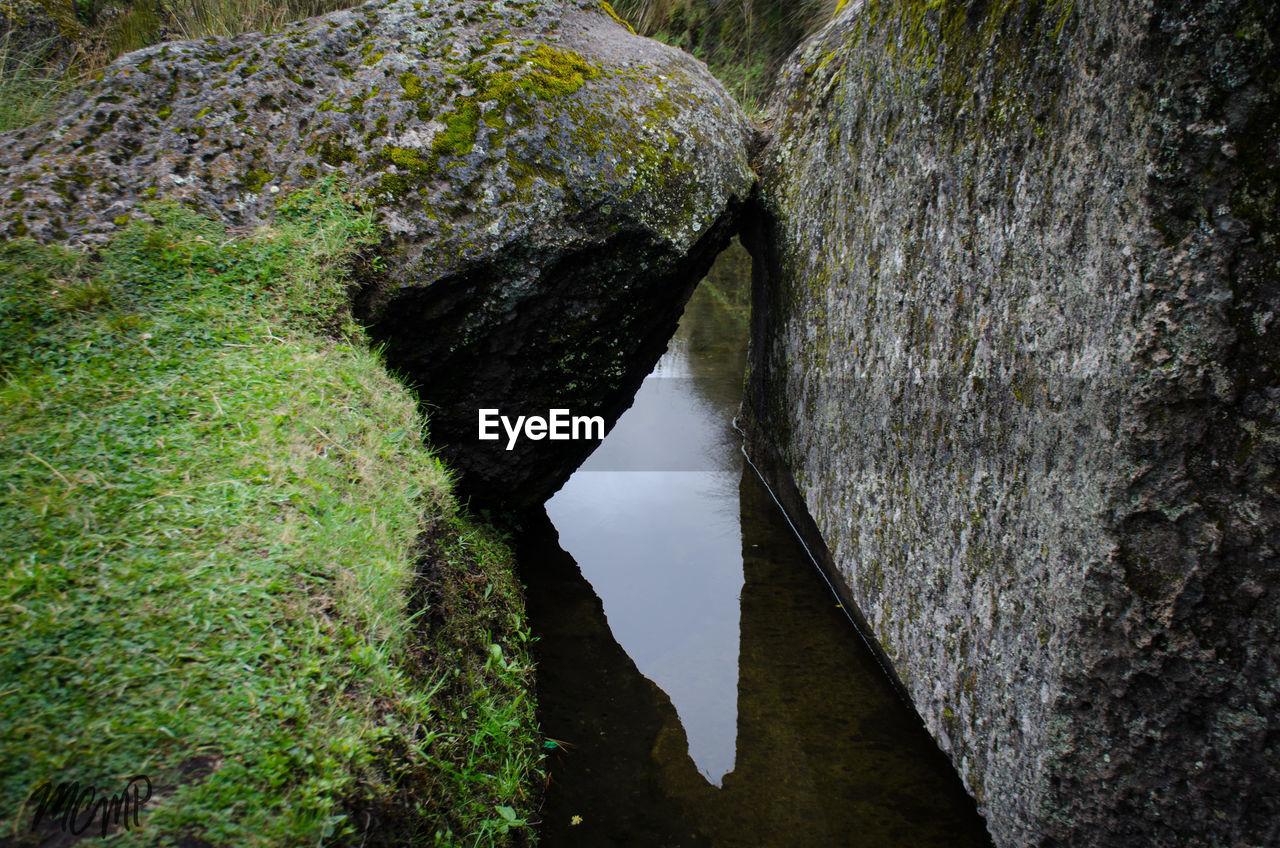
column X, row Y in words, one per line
column 700, row 680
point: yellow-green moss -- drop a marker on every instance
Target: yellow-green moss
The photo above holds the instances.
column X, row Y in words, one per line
column 459, row 134
column 547, row 74
column 408, row 159
column 412, row 86
column 558, row 72
column 333, row 152
column 610, row 11
column 255, row 178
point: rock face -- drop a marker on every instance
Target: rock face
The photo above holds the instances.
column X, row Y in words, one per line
column 1016, row 340
column 552, row 186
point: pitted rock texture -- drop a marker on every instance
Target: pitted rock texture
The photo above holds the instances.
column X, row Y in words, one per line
column 552, row 185
column 1016, row 341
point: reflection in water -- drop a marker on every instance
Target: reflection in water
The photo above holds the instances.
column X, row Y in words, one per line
column 669, row 570
column 652, row 517
column 726, row 699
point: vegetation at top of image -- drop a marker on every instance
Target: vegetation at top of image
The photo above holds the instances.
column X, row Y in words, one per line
column 28, row 89
column 743, row 42
column 48, row 46
column 227, row 560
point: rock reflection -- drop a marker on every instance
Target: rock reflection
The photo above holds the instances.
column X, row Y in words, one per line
column 712, row 596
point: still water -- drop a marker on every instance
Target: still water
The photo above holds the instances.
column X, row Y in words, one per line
column 702, row 683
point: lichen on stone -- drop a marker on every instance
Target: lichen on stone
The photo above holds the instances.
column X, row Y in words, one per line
column 996, row 342
column 504, row 146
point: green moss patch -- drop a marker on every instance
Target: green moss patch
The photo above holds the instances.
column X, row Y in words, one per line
column 609, row 10
column 557, row 73
column 543, row 73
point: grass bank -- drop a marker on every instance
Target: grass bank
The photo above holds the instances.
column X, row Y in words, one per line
column 229, row 563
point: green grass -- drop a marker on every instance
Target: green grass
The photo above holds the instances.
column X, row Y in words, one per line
column 35, row 76
column 742, row 43
column 28, row 89
column 228, row 562
column 204, row 18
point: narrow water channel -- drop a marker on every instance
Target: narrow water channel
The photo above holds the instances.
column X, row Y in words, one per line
column 700, row 680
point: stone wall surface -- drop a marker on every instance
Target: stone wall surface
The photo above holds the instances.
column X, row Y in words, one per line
column 1015, row 338
column 552, row 187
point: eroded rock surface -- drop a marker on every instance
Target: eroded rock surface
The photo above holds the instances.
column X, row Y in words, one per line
column 553, row 186
column 1016, row 341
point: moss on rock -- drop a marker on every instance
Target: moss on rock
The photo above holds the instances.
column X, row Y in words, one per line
column 503, row 143
column 1016, row 269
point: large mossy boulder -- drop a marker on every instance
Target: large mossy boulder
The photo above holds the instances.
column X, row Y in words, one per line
column 551, row 185
column 1016, row 339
